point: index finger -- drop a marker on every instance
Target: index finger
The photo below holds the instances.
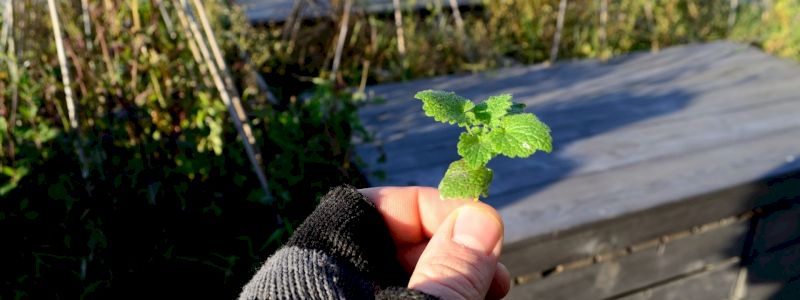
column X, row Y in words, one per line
column 413, row 213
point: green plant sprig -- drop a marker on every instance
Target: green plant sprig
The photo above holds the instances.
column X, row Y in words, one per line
column 494, row 127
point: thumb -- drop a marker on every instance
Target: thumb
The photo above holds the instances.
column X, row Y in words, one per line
column 461, row 257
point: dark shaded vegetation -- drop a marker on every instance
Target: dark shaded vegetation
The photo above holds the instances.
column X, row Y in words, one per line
column 151, row 187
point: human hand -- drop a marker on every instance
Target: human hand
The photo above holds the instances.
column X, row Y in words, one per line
column 451, row 248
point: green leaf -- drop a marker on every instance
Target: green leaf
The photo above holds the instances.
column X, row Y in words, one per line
column 520, row 136
column 475, row 149
column 493, row 109
column 445, row 107
column 464, row 182
column 516, row 108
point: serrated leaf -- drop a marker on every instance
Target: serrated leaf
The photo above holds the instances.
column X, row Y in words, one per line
column 520, row 136
column 516, row 108
column 464, row 182
column 475, row 149
column 493, row 109
column 445, row 107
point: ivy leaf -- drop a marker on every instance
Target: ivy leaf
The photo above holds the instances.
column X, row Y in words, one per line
column 464, row 182
column 445, row 107
column 475, row 149
column 520, row 136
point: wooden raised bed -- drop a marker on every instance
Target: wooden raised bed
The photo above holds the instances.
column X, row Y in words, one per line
column 277, row 11
column 674, row 175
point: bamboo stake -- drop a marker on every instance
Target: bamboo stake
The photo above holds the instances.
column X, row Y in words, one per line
column 167, row 20
column 603, row 22
column 398, row 24
column 364, row 74
column 226, row 75
column 337, row 58
column 732, row 14
column 198, row 58
column 562, row 10
column 71, row 108
column 457, row 16
column 229, row 96
column 8, row 18
column 8, row 40
column 87, row 24
column 292, row 18
column 648, row 13
column 62, row 60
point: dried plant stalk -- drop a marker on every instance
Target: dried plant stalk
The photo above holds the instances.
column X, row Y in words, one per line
column 65, row 79
column 337, row 57
column 228, row 94
column 562, row 10
column 398, row 24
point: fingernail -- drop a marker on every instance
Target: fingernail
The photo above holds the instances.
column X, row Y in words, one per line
column 477, row 229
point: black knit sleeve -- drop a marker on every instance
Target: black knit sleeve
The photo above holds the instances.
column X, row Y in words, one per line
column 343, row 250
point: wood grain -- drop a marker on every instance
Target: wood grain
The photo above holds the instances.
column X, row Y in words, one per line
column 714, row 284
column 544, row 252
column 640, row 269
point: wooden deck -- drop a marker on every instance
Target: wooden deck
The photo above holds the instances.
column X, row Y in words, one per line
column 689, row 150
column 276, row 11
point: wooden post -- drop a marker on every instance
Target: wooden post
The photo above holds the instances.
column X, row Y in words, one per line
column 562, row 10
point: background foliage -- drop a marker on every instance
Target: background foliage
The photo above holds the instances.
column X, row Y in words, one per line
column 161, row 193
column 168, row 198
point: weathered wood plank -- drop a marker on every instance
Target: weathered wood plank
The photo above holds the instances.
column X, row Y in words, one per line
column 626, row 146
column 624, row 103
column 277, row 11
column 715, row 284
column 640, row 269
column 546, row 251
column 574, row 201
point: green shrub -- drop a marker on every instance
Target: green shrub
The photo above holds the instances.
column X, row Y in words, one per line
column 153, row 190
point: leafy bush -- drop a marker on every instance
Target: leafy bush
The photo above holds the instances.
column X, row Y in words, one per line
column 771, row 27
column 509, row 32
column 153, row 188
